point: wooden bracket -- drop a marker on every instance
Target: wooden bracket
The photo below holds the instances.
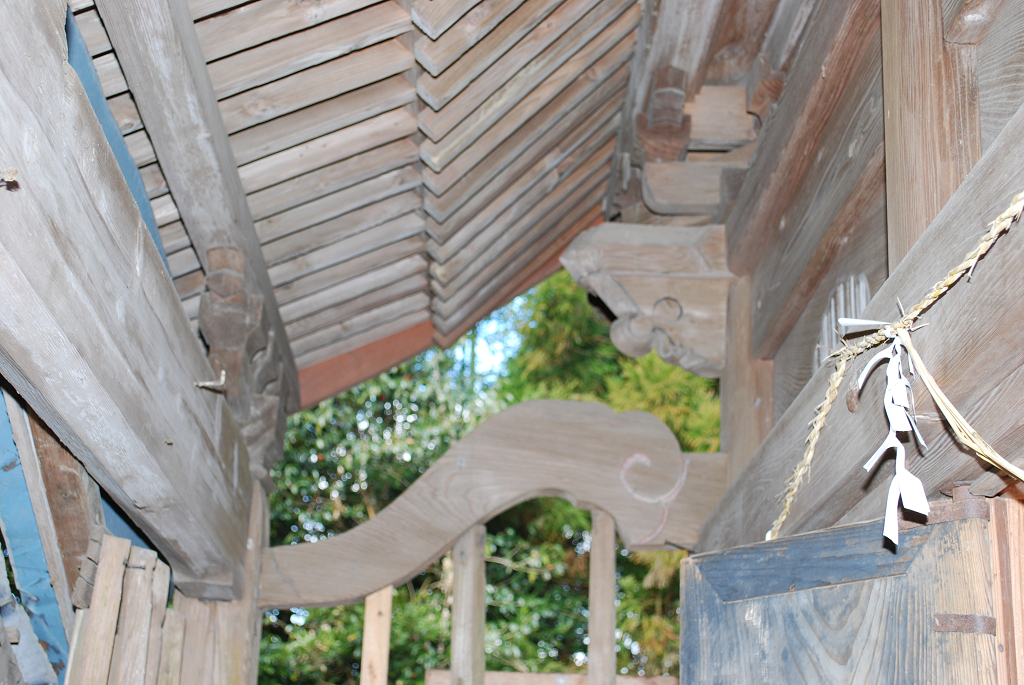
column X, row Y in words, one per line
column 668, row 286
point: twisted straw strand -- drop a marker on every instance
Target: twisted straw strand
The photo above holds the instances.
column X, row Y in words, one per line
column 967, row 435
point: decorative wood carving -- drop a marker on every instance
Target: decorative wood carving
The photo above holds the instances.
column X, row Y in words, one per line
column 244, row 346
column 668, row 286
column 628, row 464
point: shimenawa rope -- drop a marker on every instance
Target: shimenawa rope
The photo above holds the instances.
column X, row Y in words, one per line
column 902, row 328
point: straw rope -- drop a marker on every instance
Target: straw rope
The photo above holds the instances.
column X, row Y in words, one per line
column 902, row 328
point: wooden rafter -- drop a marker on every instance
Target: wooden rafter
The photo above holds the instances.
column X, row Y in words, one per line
column 173, row 91
column 94, row 338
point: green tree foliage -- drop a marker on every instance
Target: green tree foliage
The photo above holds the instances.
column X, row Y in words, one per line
column 688, row 404
column 344, row 461
column 349, row 457
column 564, row 350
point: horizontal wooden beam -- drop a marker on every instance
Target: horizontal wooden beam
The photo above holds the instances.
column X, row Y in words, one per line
column 328, row 378
column 970, row 347
column 94, row 336
column 629, row 464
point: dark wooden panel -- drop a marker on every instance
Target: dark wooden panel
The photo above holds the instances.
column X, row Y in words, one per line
column 857, row 629
column 833, row 557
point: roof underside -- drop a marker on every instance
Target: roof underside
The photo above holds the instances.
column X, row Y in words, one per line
column 408, row 170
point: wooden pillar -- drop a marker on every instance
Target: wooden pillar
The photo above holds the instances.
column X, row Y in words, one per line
column 746, row 385
column 221, row 643
column 601, row 625
column 469, row 607
column 373, row 665
column 932, row 126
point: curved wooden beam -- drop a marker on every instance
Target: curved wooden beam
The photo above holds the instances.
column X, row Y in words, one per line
column 626, row 464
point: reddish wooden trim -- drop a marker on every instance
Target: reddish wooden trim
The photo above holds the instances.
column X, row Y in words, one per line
column 328, row 378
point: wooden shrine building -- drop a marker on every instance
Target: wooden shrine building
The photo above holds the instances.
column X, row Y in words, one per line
column 216, row 212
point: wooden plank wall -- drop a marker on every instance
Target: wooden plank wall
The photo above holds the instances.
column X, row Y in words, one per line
column 189, row 279
column 834, row 227
column 807, row 237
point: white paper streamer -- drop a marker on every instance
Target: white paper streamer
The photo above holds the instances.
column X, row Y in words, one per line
column 898, row 403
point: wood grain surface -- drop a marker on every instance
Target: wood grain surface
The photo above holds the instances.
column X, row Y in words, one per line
column 494, row 467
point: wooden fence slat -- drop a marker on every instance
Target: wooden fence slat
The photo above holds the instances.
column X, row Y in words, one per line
column 469, row 607
column 161, row 584
column 373, row 665
column 601, row 668
column 104, row 609
column 172, row 642
column 131, row 642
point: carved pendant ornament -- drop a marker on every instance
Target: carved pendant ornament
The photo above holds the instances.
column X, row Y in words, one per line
column 668, row 287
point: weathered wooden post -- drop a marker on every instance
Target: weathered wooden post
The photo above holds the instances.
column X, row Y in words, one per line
column 601, row 629
column 469, row 607
column 373, row 664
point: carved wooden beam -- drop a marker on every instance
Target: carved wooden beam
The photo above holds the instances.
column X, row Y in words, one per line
column 627, row 464
column 94, row 337
column 244, row 345
column 668, row 286
column 159, row 51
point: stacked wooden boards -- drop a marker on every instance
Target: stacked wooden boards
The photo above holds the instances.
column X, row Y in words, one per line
column 317, row 109
column 186, row 271
column 128, row 633
column 408, row 168
column 523, row 106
